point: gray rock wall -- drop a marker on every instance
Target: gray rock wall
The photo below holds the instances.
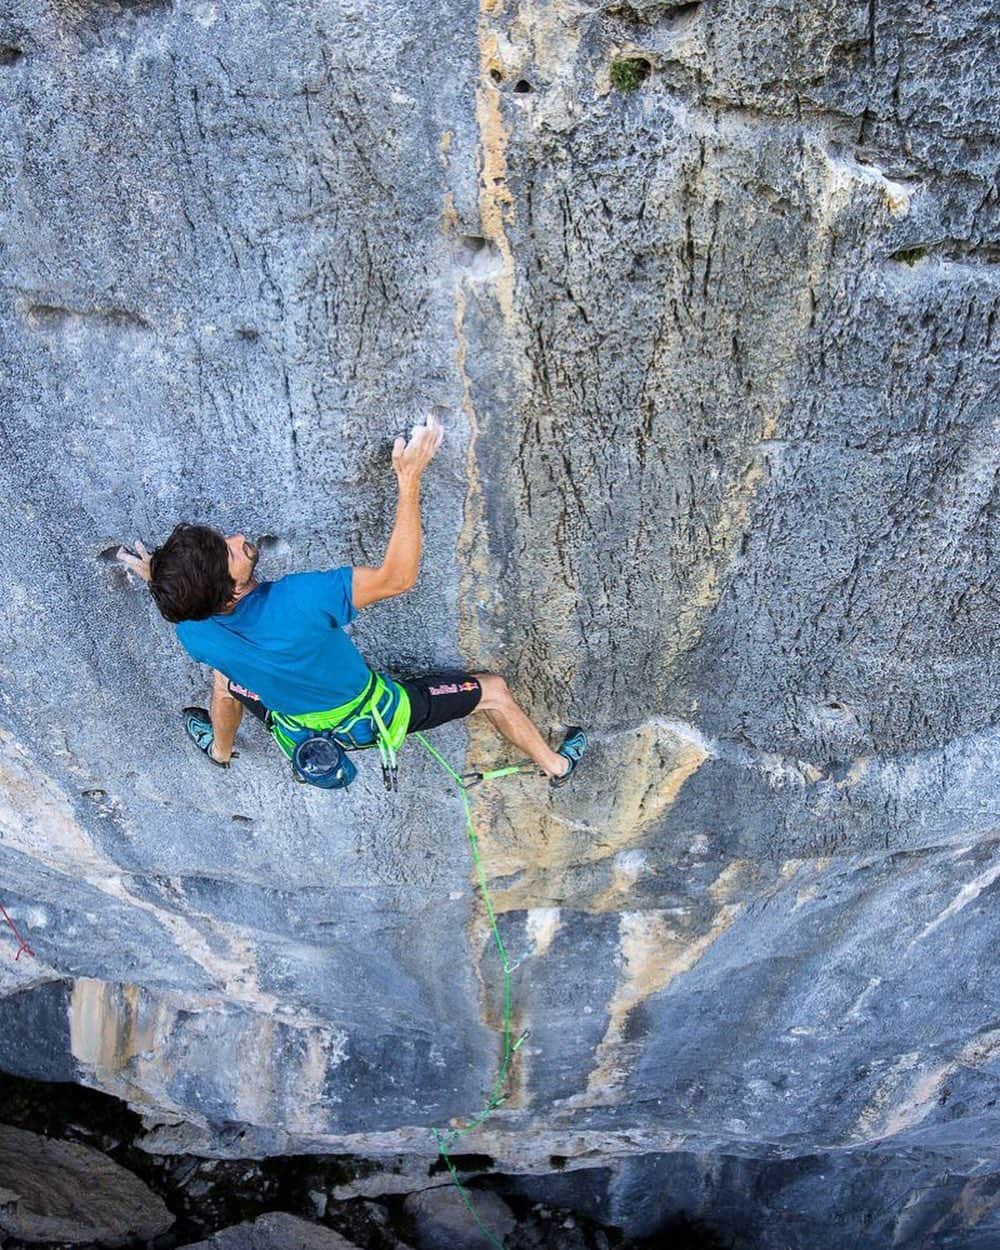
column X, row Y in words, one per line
column 719, row 362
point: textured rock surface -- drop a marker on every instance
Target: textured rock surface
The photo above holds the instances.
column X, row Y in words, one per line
column 276, row 1231
column 720, row 361
column 55, row 1191
column 440, row 1219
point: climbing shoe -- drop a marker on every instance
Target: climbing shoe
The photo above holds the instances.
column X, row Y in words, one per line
column 573, row 747
column 198, row 725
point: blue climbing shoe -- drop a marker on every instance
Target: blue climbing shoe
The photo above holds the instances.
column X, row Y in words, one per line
column 198, row 725
column 573, row 747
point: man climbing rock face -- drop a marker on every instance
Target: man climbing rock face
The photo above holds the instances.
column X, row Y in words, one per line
column 280, row 648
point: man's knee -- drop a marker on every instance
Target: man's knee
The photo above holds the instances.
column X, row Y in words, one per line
column 220, row 686
column 496, row 693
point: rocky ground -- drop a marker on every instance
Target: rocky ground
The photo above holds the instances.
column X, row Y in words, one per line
column 105, row 1191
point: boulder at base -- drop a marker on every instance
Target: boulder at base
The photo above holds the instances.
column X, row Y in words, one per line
column 60, row 1191
column 442, row 1220
column 275, row 1231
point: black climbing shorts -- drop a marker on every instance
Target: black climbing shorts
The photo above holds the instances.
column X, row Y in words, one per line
column 250, row 701
column 436, row 698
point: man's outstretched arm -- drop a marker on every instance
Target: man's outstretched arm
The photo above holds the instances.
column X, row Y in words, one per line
column 398, row 570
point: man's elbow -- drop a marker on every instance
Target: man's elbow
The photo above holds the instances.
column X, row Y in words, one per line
column 403, row 582
column 392, row 583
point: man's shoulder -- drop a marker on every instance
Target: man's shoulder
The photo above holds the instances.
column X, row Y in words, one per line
column 340, row 570
column 323, row 594
column 198, row 638
column 207, row 625
column 291, row 586
column 187, row 630
column 312, row 581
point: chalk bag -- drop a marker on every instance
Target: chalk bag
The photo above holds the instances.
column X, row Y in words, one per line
column 321, row 762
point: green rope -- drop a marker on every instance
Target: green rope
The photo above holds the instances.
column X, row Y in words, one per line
column 446, row 1141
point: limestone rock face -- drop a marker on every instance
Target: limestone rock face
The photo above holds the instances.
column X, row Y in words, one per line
column 718, row 358
column 55, row 1191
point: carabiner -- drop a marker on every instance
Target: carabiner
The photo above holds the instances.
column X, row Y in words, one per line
column 390, row 769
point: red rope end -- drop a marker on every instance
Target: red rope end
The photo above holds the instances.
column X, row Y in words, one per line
column 22, row 946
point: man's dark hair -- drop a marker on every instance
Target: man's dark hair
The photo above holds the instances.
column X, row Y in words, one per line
column 189, row 574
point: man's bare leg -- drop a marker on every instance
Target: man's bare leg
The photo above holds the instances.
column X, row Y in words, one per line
column 226, row 713
column 508, row 719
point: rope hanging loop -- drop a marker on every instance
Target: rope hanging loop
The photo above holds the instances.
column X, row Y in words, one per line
column 498, row 1095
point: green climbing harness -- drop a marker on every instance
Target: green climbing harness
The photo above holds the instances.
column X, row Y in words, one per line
column 378, row 716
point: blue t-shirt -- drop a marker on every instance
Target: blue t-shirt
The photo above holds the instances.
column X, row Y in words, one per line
column 285, row 643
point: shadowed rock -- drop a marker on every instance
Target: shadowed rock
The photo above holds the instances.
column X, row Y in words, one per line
column 276, row 1231
column 55, row 1191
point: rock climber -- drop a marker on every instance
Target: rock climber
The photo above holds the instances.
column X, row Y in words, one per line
column 279, row 648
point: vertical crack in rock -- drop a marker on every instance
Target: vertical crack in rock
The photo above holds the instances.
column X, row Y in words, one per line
column 495, row 205
column 471, row 548
column 476, row 580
